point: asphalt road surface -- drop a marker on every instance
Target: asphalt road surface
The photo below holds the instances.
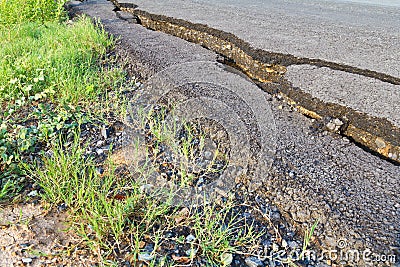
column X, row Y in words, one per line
column 307, row 172
column 358, row 35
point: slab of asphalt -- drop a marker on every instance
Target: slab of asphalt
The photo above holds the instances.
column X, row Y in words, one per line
column 348, row 46
column 358, row 35
column 307, row 172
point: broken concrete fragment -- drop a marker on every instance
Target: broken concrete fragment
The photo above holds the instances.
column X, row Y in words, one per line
column 380, row 143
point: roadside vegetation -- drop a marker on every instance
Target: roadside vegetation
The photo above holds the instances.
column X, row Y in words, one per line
column 56, row 78
column 49, row 76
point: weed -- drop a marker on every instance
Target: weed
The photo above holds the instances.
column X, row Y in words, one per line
column 49, row 80
column 185, row 152
column 21, row 11
column 113, row 213
column 56, row 61
column 221, row 233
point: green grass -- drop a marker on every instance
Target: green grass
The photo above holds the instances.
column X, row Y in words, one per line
column 185, row 140
column 51, row 78
column 22, row 11
column 221, row 233
column 51, row 60
column 113, row 212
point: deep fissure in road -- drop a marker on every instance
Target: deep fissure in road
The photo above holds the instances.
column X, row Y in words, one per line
column 267, row 69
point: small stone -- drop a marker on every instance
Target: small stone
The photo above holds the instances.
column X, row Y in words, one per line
column 191, row 252
column 380, row 143
column 275, row 247
column 337, row 122
column 71, row 4
column 221, row 192
column 190, row 238
column 99, row 170
column 293, row 245
column 253, row 262
column 169, row 234
column 226, row 259
column 275, row 216
column 33, row 193
column 208, row 155
column 290, row 234
column 284, row 243
column 346, row 140
column 26, row 260
column 145, row 257
column 24, row 245
column 331, row 126
column 149, row 248
column 62, row 207
column 99, row 151
column 105, row 132
column 99, row 143
column 200, row 181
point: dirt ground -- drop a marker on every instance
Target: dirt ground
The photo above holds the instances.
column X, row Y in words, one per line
column 31, row 235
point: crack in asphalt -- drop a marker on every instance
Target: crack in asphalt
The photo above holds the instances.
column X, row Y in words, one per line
column 377, row 135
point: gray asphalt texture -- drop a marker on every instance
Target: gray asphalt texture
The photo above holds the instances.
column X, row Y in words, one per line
column 380, row 99
column 311, row 174
column 358, row 35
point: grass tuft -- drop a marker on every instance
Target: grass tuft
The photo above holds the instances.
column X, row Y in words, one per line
column 51, row 77
column 54, row 60
column 22, row 11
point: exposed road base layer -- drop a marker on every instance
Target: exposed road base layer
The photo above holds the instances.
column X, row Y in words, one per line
column 377, row 134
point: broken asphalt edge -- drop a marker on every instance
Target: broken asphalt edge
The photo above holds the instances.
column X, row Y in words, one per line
column 267, row 69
